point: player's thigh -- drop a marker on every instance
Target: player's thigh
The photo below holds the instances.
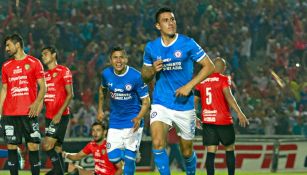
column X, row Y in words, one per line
column 86, row 172
column 31, row 130
column 226, row 134
column 12, row 129
column 159, row 124
column 210, row 135
column 185, row 123
column 115, row 139
column 57, row 131
column 132, row 140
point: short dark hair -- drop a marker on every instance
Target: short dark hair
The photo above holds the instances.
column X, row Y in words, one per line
column 162, row 10
column 15, row 38
column 102, row 124
column 117, row 48
column 52, row 49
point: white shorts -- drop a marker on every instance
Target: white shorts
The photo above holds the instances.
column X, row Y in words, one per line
column 184, row 121
column 124, row 139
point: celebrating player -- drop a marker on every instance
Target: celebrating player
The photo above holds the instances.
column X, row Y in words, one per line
column 170, row 59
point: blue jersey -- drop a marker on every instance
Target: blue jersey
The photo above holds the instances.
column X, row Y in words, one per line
column 126, row 91
column 178, row 58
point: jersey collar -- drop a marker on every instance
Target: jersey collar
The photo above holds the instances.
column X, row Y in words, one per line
column 176, row 37
column 121, row 75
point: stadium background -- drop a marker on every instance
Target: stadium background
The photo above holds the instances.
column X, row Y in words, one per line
column 255, row 36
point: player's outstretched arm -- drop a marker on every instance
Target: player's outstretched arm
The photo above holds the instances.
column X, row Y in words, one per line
column 100, row 114
column 206, row 70
column 74, row 156
column 243, row 121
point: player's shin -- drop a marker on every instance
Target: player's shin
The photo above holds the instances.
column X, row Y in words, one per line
column 190, row 164
column 210, row 163
column 54, row 157
column 129, row 159
column 13, row 161
column 161, row 161
column 231, row 162
column 35, row 162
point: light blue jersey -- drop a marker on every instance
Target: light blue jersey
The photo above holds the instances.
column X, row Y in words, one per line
column 178, row 58
column 126, row 91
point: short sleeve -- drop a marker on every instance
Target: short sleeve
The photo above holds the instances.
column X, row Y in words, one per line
column 147, row 59
column 67, row 77
column 226, row 82
column 197, row 53
column 39, row 72
column 87, row 149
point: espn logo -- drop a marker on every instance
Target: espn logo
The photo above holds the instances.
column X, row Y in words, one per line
column 256, row 156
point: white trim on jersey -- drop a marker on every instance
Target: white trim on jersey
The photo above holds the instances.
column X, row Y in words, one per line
column 121, row 75
column 176, row 35
column 202, row 57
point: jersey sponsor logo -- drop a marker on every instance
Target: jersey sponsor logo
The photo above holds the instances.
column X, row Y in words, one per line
column 211, row 79
column 118, row 90
column 128, row 87
column 209, row 113
column 209, row 119
column 50, row 84
column 17, row 70
column 19, row 78
column 97, row 153
column 27, row 66
column 178, row 54
column 16, row 91
column 172, row 66
column 120, row 96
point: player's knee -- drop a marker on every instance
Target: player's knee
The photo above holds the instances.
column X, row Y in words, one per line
column 187, row 152
column 115, row 155
column 212, row 149
column 58, row 148
column 230, row 147
column 47, row 146
column 33, row 146
column 158, row 143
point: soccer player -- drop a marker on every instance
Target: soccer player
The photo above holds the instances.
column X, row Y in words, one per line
column 216, row 97
column 20, row 101
column 58, row 96
column 98, row 148
column 129, row 102
column 169, row 59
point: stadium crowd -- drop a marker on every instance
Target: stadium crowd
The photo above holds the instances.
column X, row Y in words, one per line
column 256, row 37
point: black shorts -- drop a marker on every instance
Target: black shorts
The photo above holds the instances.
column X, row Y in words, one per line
column 214, row 134
column 16, row 127
column 57, row 131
